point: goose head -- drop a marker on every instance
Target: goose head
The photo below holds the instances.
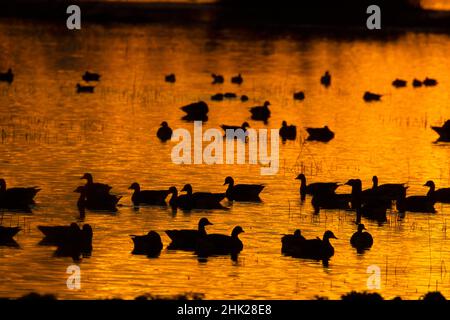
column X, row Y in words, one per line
column 361, row 227
column 297, row 233
column 284, row 124
column 173, row 190
column 429, row 184
column 245, row 125
column 229, row 180
column 204, row 222
column 88, row 177
column 237, row 231
column 301, row 177
column 355, row 184
column 164, row 124
column 266, row 104
column 135, row 186
column 187, row 188
column 328, row 235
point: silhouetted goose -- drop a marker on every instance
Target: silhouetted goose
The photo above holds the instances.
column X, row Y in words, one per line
column 237, row 79
column 151, row 197
column 361, row 240
column 244, row 127
column 220, row 244
column 229, row 95
column 391, row 191
column 288, row 132
column 96, row 201
column 416, row 83
column 164, row 133
column 315, row 249
column 187, row 239
column 149, row 244
column 428, row 82
column 16, row 198
column 204, row 200
column 424, row 204
column 7, row 233
column 90, row 76
column 444, row 131
column 7, row 76
column 170, row 78
column 217, row 97
column 331, row 201
column 370, row 206
column 261, row 112
column 196, row 111
column 242, row 192
column 398, row 83
column 299, row 95
column 94, row 188
column 289, row 242
column 326, row 79
column 439, row 195
column 315, row 188
column 217, row 78
column 176, row 201
column 369, row 96
column 84, row 89
column 244, row 98
column 320, row 134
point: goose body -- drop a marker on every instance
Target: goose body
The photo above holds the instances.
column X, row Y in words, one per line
column 424, row 204
column 96, row 201
column 187, row 239
column 316, row 187
column 237, row 79
column 288, row 132
column 217, row 97
column 361, row 240
column 149, row 244
column 325, row 80
column 149, row 197
column 220, row 244
column 316, row 249
column 439, row 195
column 416, row 83
column 320, row 134
column 398, row 83
column 196, row 111
column 84, row 89
column 244, row 98
column 389, row 191
column 299, row 95
column 170, row 78
column 369, row 96
column 90, row 76
column 429, row 82
column 217, row 78
column 16, row 198
column 261, row 113
column 242, row 192
column 330, row 201
column 164, row 133
column 7, row 76
column 444, row 131
column 203, row 200
column 7, row 233
column 94, row 188
column 290, row 242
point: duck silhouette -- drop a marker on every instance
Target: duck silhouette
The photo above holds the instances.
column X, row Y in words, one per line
column 230, row 95
column 217, row 97
column 388, row 191
column 237, row 79
column 361, row 240
column 369, row 206
column 443, row 131
column 327, row 188
column 315, row 249
column 300, row 95
column 242, row 192
column 7, row 76
column 164, row 133
column 7, row 234
column 399, row 83
column 369, row 96
column 289, row 242
column 217, row 78
column 244, row 98
column 417, row 83
column 261, row 113
column 94, row 188
column 325, row 80
column 149, row 244
column 204, row 200
column 320, row 134
column 16, row 198
column 196, row 111
column 429, row 82
column 440, row 195
column 170, row 78
column 96, row 201
column 330, row 201
column 176, row 201
column 220, row 244
column 288, row 132
column 90, row 76
column 149, row 197
column 188, row 239
column 421, row 204
column 84, row 89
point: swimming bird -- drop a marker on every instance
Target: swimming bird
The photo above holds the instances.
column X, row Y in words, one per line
column 7, row 234
column 326, row 79
column 243, row 127
column 217, row 78
column 261, row 112
column 316, row 187
column 390, row 191
column 299, row 95
column 94, row 188
column 320, row 134
column 90, row 76
column 242, row 192
column 96, row 201
column 361, row 240
column 423, row 204
column 429, row 82
column 149, row 197
column 164, row 133
column 416, row 83
column 176, row 201
column 220, row 244
column 288, row 132
column 439, row 195
column 444, row 131
column 330, row 201
column 7, row 76
column 369, row 96
column 316, row 249
column 170, row 78
column 229, row 95
column 290, row 241
column 16, row 198
column 399, row 83
column 237, row 79
column 217, row 97
column 187, row 239
column 203, row 200
column 244, row 98
column 84, row 89
column 196, row 111
column 149, row 244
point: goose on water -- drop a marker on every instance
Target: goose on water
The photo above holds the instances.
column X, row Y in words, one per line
column 220, row 244
column 316, row 187
column 149, row 244
column 98, row 201
column 429, row 82
column 16, row 198
column 422, row 204
column 290, row 241
column 170, row 78
column 149, row 197
column 217, row 78
column 237, row 79
column 288, row 132
column 326, row 79
column 361, row 240
column 320, row 134
column 242, row 192
column 84, row 89
column 187, row 239
column 90, row 76
column 369, row 96
column 440, row 195
column 261, row 113
column 164, row 133
column 299, row 95
column 399, row 83
column 196, row 111
column 203, row 200
column 417, row 83
column 316, row 249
